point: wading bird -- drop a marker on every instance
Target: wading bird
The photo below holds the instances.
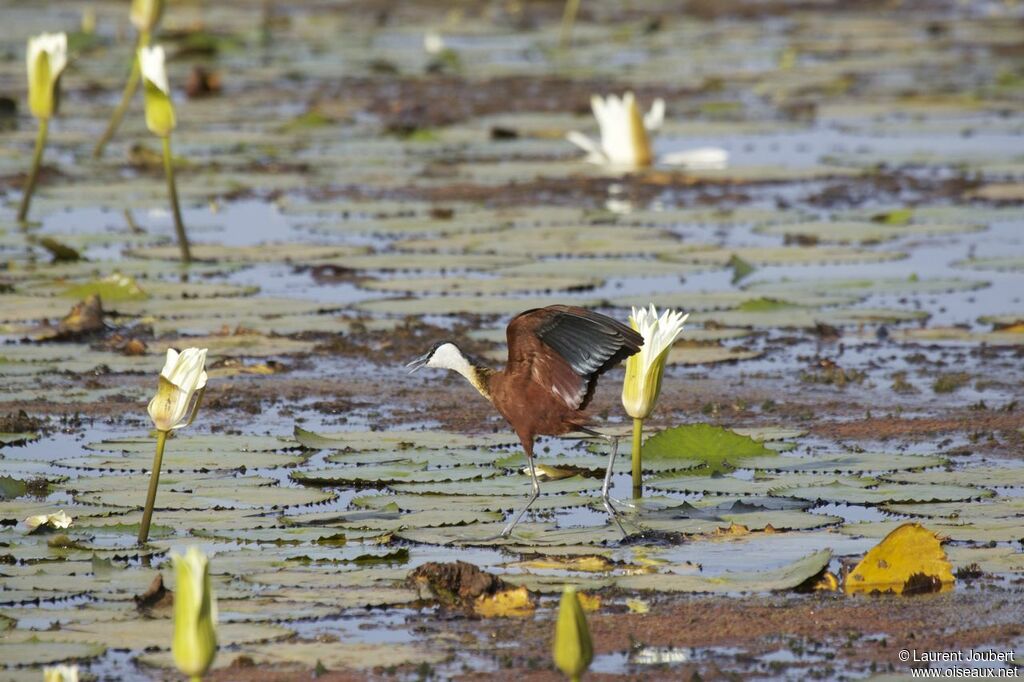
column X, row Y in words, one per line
column 555, row 355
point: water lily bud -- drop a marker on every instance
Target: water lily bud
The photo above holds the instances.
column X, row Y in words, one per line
column 644, row 369
column 60, row 673
column 159, row 109
column 195, row 614
column 46, row 58
column 572, row 648
column 146, row 13
column 182, row 381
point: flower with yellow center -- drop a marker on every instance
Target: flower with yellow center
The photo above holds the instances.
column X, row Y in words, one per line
column 572, row 648
column 624, row 131
column 60, row 673
column 157, row 89
column 195, row 614
column 160, row 120
column 642, row 385
column 626, row 137
column 46, row 59
column 175, row 405
column 182, row 382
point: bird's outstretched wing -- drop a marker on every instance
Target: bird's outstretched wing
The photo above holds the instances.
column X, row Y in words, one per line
column 565, row 349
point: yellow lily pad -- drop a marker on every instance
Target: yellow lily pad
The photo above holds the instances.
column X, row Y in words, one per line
column 909, row 560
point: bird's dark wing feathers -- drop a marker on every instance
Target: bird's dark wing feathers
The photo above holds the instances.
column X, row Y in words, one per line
column 585, row 344
column 587, row 340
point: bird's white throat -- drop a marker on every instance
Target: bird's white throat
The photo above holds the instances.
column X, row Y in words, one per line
column 448, row 356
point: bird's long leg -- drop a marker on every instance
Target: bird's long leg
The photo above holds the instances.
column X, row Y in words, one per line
column 605, row 499
column 534, row 494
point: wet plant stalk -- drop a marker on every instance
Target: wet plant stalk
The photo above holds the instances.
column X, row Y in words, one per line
column 638, row 474
column 172, row 191
column 154, row 481
column 126, row 98
column 568, row 19
column 33, row 175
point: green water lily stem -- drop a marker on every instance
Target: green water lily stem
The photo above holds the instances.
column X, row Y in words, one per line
column 154, row 481
column 638, row 474
column 568, row 19
column 33, row 175
column 172, row 191
column 130, row 86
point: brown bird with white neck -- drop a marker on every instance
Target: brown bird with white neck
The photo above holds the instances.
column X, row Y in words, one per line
column 555, row 355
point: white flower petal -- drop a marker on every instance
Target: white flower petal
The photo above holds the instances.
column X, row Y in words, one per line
column 152, row 62
column 703, row 158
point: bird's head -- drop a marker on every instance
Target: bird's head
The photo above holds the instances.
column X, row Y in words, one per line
column 444, row 355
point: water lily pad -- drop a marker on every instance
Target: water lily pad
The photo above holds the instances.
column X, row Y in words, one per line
column 786, row 255
column 852, row 463
column 979, row 476
column 371, row 474
column 483, row 503
column 1000, row 263
column 394, row 439
column 840, row 492
column 483, row 286
column 147, row 634
column 712, row 445
column 785, row 578
column 45, row 650
column 856, row 289
column 602, row 267
column 908, row 556
column 570, row 240
column 267, row 253
column 846, row 232
column 478, row 305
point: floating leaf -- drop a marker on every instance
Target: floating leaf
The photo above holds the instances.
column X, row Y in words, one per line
column 784, row 578
column 909, row 560
column 714, row 446
column 513, row 602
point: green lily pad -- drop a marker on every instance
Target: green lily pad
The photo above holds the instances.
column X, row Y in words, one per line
column 398, row 440
column 980, row 476
column 845, row 232
column 371, row 474
column 849, row 463
column 267, row 253
column 840, row 492
column 784, row 578
column 42, row 650
column 712, row 445
column 482, row 286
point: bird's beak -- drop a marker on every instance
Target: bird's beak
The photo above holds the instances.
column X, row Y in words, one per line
column 421, row 361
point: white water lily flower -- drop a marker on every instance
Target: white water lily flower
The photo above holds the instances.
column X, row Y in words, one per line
column 644, row 369
column 182, row 381
column 60, row 673
column 195, row 614
column 152, row 63
column 59, row 520
column 625, row 137
column 702, row 158
column 47, row 56
column 433, row 43
column 160, row 117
